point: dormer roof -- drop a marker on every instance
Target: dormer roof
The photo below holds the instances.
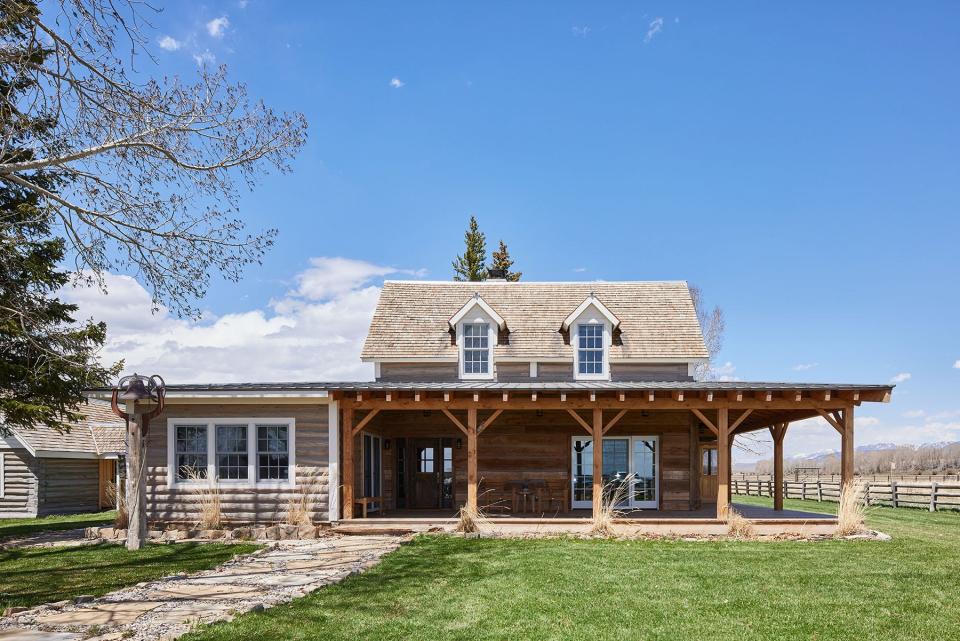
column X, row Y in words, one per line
column 656, row 320
column 477, row 301
column 588, row 302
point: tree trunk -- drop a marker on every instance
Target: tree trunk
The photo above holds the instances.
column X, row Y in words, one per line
column 136, row 483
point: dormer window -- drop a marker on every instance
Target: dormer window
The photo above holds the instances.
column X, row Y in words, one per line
column 591, row 326
column 590, row 349
column 476, row 327
column 476, row 348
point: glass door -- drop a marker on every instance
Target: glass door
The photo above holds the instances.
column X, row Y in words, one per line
column 629, row 471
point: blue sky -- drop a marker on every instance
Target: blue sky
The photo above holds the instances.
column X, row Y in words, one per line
column 798, row 163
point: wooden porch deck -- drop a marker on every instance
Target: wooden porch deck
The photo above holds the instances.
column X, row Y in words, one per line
column 678, row 523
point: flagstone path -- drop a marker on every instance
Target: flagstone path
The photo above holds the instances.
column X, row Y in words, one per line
column 169, row 607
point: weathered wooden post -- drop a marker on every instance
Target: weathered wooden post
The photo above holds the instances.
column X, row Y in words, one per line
column 933, row 496
column 149, row 394
column 893, row 492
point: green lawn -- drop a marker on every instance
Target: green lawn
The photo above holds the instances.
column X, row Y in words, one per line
column 23, row 527
column 445, row 587
column 31, row 576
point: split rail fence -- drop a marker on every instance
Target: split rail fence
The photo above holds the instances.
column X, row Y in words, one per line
column 933, row 496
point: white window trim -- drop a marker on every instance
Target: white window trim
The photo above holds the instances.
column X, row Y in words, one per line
column 3, row 474
column 251, row 481
column 479, row 317
column 632, row 503
column 588, row 317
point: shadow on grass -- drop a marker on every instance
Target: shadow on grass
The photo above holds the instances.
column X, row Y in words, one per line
column 14, row 528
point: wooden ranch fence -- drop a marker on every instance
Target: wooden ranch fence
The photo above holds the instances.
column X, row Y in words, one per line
column 933, row 496
column 813, row 476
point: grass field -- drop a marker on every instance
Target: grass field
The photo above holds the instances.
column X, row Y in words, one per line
column 446, row 587
column 40, row 575
column 23, row 527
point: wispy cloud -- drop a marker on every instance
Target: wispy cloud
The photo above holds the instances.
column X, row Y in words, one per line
column 802, row 367
column 169, row 43
column 203, row 58
column 396, row 83
column 580, row 32
column 243, row 4
column 913, row 414
column 655, row 27
column 956, row 365
column 901, row 377
column 725, row 372
column 218, row 26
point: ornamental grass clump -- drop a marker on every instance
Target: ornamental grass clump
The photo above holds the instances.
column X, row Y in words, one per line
column 471, row 520
column 207, row 493
column 614, row 494
column 115, row 496
column 300, row 507
column 852, row 511
column 738, row 526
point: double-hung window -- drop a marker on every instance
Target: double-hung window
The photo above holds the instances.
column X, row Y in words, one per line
column 590, row 348
column 476, row 348
column 236, row 451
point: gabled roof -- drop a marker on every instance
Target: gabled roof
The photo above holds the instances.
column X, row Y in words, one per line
column 588, row 302
column 657, row 319
column 98, row 433
column 477, row 301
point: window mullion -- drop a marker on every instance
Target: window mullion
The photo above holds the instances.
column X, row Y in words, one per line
column 251, row 453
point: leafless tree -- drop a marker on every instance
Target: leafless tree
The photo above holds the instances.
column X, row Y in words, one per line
column 149, row 167
column 712, row 325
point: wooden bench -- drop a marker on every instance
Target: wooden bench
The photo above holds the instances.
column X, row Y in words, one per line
column 365, row 501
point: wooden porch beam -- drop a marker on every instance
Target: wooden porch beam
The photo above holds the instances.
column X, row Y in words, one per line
column 363, row 422
column 740, row 419
column 580, row 420
column 471, row 460
column 832, row 420
column 490, row 419
column 547, row 402
column 597, row 460
column 348, row 439
column 846, row 449
column 705, row 421
column 723, row 463
column 456, row 421
column 778, row 432
column 613, row 421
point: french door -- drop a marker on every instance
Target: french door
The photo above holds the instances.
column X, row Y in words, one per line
column 629, row 471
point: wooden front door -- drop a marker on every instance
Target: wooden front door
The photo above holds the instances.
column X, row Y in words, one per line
column 708, row 473
column 426, row 472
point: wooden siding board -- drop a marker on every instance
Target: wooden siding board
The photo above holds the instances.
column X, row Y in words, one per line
column 649, row 372
column 418, row 373
column 68, row 486
column 240, row 505
column 20, row 484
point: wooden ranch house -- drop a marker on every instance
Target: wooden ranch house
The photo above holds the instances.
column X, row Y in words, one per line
column 525, row 399
column 44, row 471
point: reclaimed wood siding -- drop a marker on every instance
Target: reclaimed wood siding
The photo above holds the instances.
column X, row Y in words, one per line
column 418, row 372
column 520, row 445
column 19, row 484
column 68, row 486
column 649, row 372
column 242, row 505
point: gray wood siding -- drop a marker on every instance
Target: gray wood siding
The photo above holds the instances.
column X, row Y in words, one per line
column 241, row 505
column 68, row 486
column 418, row 372
column 546, row 372
column 20, row 484
column 649, row 372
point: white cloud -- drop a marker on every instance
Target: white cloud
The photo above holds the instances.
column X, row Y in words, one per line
column 243, row 4
column 579, row 270
column 901, row 377
column 313, row 333
column 655, row 26
column 218, row 26
column 802, row 367
column 725, row 372
column 913, row 414
column 866, row 421
column 956, row 365
column 204, row 58
column 169, row 43
column 396, row 83
column 581, row 32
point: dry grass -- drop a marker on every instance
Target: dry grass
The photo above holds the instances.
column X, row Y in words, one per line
column 851, row 512
column 300, row 507
column 122, row 519
column 208, row 499
column 471, row 519
column 614, row 493
column 738, row 526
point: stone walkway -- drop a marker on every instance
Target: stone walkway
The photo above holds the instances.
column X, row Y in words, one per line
column 169, row 607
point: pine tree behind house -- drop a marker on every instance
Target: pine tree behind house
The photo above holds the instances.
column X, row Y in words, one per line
column 471, row 265
column 503, row 263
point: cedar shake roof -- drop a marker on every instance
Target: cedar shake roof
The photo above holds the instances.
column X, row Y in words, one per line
column 100, row 431
column 657, row 319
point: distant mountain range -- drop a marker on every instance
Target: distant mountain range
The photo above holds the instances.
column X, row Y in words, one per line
column 815, row 457
column 872, row 458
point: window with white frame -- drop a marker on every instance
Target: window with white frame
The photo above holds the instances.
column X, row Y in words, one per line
column 590, row 349
column 273, row 452
column 476, row 348
column 191, row 452
column 234, row 451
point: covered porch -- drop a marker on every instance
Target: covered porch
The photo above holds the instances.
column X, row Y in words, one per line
column 523, row 452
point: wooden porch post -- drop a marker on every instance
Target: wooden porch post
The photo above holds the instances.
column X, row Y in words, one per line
column 694, row 464
column 348, row 462
column 778, row 432
column 723, row 463
column 846, row 448
column 472, row 459
column 597, row 460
